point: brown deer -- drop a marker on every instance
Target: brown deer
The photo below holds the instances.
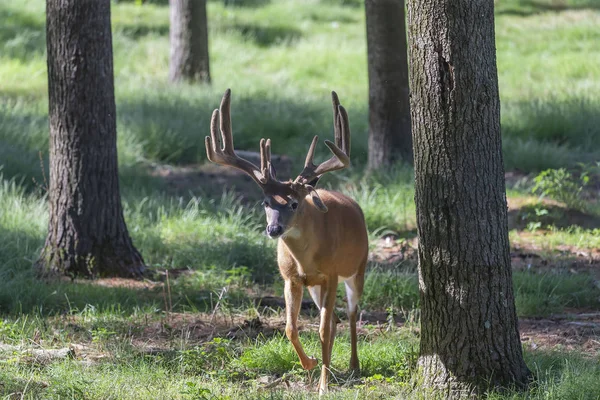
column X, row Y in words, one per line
column 322, row 234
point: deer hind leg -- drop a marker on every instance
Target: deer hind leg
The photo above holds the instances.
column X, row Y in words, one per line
column 354, row 288
column 293, row 301
column 326, row 330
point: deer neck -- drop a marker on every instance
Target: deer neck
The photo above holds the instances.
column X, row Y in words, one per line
column 301, row 236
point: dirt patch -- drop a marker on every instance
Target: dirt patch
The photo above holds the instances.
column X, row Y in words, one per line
column 391, row 250
column 122, row 283
column 200, row 328
column 573, row 332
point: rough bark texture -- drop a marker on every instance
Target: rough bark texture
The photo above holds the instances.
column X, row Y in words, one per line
column 390, row 138
column 189, row 41
column 87, row 234
column 469, row 332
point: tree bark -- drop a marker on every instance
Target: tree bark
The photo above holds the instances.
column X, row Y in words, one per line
column 390, row 138
column 189, row 41
column 87, row 234
column 469, row 332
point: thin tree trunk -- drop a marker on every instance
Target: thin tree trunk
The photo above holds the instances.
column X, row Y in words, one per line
column 87, row 234
column 469, row 332
column 390, row 138
column 189, row 41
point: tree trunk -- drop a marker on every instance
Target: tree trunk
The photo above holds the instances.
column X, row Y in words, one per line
column 87, row 234
column 390, row 137
column 469, row 332
column 189, row 41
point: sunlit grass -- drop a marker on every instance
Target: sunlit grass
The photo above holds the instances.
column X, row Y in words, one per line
column 281, row 58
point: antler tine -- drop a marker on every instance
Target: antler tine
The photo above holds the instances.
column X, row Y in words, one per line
column 224, row 153
column 265, row 159
column 263, row 156
column 336, row 119
column 345, row 130
column 311, row 152
column 226, row 132
column 340, row 149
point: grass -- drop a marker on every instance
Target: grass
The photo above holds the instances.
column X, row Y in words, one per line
column 281, row 58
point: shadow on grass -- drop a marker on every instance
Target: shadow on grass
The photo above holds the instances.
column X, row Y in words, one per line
column 557, row 216
column 137, row 31
column 214, row 264
column 26, row 295
column 172, row 129
column 22, row 36
column 265, row 36
column 573, row 122
column 246, row 3
column 344, row 3
column 23, row 134
column 526, row 8
column 550, row 133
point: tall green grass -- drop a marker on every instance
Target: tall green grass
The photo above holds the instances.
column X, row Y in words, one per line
column 281, row 58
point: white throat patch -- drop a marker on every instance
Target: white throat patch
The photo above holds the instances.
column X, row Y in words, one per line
column 293, row 233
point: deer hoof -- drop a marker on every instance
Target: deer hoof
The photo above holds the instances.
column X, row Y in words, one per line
column 322, row 390
column 310, row 363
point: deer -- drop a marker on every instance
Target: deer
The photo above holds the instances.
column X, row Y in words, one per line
column 322, row 234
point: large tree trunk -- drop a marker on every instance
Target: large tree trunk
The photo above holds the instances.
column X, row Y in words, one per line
column 87, row 234
column 390, row 137
column 469, row 333
column 189, row 41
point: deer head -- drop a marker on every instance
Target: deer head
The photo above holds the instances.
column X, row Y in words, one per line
column 283, row 201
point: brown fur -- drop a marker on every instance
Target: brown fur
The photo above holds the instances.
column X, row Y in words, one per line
column 324, row 247
column 322, row 234
column 331, row 243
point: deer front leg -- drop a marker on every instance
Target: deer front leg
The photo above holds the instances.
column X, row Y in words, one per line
column 293, row 301
column 326, row 329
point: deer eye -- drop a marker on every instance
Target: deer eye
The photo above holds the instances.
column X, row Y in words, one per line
column 294, row 205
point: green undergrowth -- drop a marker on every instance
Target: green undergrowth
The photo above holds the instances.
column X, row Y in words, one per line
column 227, row 369
column 281, row 59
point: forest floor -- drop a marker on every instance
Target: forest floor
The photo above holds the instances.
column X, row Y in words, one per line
column 207, row 323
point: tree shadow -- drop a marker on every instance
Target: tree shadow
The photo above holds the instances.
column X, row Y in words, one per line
column 526, row 8
column 271, row 35
column 137, row 31
column 173, row 129
column 328, row 18
column 344, row 3
column 574, row 121
column 213, row 262
column 246, row 3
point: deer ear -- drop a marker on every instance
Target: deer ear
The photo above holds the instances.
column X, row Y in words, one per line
column 317, row 201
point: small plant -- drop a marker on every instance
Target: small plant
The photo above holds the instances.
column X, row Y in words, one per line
column 561, row 185
column 8, row 330
column 196, row 392
column 102, row 334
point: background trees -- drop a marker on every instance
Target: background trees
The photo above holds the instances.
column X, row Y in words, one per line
column 189, row 41
column 469, row 334
column 390, row 137
column 87, row 234
column 283, row 57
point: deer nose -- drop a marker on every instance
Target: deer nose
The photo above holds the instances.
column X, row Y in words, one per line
column 274, row 230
